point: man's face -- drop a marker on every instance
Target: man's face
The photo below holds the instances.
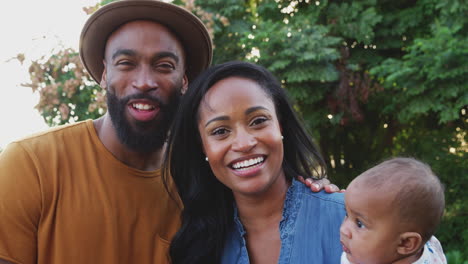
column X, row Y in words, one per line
column 144, row 77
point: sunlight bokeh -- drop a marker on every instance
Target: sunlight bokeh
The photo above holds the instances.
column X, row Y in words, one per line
column 35, row 29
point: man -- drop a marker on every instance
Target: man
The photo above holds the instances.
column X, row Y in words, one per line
column 91, row 192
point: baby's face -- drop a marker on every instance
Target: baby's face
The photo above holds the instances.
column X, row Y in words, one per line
column 369, row 232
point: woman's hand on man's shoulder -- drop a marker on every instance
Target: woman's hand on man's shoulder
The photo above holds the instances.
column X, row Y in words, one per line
column 318, row 185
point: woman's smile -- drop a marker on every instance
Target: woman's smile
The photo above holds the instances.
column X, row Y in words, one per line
column 248, row 166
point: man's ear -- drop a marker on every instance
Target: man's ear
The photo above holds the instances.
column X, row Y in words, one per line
column 410, row 242
column 103, row 83
column 184, row 84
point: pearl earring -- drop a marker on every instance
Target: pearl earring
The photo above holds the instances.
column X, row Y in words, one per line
column 282, row 137
column 206, row 158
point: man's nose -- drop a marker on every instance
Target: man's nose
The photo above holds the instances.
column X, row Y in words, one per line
column 145, row 79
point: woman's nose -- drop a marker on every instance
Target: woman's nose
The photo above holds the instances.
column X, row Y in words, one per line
column 244, row 142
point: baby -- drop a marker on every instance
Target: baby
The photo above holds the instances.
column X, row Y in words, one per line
column 393, row 210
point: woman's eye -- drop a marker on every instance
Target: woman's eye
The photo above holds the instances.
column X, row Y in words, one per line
column 258, row 121
column 359, row 224
column 219, row 131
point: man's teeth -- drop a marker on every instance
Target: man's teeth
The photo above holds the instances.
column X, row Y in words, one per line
column 247, row 163
column 143, row 106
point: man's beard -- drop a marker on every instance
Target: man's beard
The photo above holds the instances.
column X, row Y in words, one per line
column 145, row 137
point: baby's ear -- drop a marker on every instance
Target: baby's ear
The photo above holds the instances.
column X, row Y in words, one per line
column 410, row 242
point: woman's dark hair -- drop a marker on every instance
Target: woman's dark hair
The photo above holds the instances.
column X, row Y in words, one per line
column 208, row 204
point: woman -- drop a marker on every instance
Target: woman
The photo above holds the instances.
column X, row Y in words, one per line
column 236, row 149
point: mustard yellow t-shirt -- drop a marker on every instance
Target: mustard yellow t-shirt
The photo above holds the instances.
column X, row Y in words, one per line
column 64, row 198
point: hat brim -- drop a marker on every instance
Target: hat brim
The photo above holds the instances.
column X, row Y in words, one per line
column 186, row 26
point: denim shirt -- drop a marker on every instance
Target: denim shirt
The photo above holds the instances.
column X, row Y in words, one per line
column 309, row 229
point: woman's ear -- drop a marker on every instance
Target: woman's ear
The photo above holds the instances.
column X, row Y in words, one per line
column 202, row 146
column 410, row 242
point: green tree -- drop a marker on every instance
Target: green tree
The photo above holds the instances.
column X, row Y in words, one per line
column 67, row 92
column 371, row 79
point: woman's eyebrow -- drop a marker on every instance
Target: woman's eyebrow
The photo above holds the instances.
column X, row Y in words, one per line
column 247, row 112
column 218, row 118
column 254, row 108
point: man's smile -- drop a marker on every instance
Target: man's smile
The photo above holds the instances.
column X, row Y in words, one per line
column 143, row 110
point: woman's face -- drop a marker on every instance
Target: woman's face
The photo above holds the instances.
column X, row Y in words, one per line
column 241, row 136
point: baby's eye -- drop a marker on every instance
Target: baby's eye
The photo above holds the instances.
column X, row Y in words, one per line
column 360, row 224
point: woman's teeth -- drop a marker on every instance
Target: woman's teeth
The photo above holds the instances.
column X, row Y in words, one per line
column 247, row 163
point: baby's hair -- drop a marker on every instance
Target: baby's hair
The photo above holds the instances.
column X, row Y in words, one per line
column 419, row 195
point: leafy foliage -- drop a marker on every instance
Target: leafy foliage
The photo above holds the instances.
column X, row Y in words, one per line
column 455, row 257
column 67, row 92
column 371, row 79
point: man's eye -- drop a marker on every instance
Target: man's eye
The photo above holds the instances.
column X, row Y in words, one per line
column 166, row 66
column 124, row 63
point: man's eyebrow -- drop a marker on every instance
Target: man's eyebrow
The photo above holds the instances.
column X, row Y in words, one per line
column 165, row 54
column 218, row 118
column 127, row 52
column 253, row 109
column 158, row 56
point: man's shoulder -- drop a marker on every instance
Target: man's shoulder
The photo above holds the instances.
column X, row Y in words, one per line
column 50, row 140
column 68, row 130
